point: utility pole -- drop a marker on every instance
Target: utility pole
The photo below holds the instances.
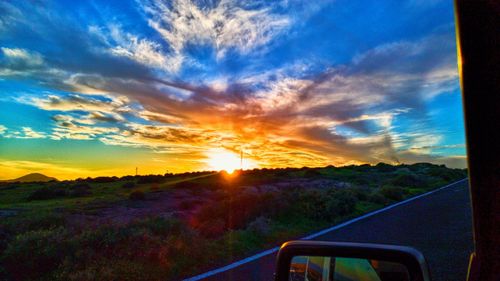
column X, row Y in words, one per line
column 241, row 159
column 136, row 171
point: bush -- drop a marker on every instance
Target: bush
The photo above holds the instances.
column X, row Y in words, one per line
column 383, row 167
column 161, row 225
column 35, row 220
column 80, row 190
column 377, row 198
column 151, row 179
column 319, row 205
column 137, row 195
column 312, row 173
column 129, row 185
column 147, row 249
column 447, row 174
column 360, row 193
column 81, row 185
column 104, row 179
column 407, row 180
column 47, row 193
column 212, row 228
column 236, row 210
column 340, row 203
column 154, row 188
column 35, row 254
column 260, row 226
column 393, row 193
column 185, row 205
column 122, row 269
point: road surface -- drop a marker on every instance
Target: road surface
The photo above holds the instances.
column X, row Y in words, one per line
column 438, row 224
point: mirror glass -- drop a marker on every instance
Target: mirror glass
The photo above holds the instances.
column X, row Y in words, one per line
column 317, row 268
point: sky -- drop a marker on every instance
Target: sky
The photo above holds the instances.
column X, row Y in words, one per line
column 98, row 88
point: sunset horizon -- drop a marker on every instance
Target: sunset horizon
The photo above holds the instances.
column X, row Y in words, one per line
column 239, row 140
column 186, row 86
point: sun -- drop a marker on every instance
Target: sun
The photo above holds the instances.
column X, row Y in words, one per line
column 220, row 159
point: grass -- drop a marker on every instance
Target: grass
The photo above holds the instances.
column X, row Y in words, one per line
column 102, row 194
column 42, row 242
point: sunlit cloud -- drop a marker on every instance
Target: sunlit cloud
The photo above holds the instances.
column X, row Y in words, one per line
column 22, row 133
column 186, row 78
column 15, row 61
column 224, row 25
column 22, row 55
column 31, row 134
column 76, row 102
column 141, row 50
column 70, row 130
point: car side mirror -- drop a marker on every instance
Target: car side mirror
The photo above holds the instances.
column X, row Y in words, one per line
column 339, row 261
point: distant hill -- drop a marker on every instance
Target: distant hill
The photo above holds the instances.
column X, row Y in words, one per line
column 33, row 177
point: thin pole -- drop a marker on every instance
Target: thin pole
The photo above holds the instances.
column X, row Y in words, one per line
column 241, row 159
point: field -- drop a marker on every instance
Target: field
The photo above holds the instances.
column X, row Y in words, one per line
column 166, row 227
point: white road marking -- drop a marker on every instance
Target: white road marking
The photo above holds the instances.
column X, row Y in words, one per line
column 322, row 232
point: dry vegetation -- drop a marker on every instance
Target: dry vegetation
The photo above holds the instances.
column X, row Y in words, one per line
column 161, row 227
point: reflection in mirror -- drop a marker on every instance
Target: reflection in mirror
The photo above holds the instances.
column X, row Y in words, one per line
column 316, row 268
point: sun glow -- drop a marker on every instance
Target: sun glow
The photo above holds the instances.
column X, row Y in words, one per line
column 223, row 160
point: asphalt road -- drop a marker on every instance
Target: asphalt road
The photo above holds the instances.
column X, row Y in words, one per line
column 439, row 225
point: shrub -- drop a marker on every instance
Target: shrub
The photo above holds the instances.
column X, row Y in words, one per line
column 377, row 198
column 80, row 190
column 340, row 203
column 236, row 210
column 260, row 226
column 151, row 179
column 35, row 220
column 35, row 254
column 312, row 173
column 319, row 205
column 393, row 192
column 185, row 205
column 360, row 193
column 104, row 179
column 47, row 193
column 114, row 269
column 161, row 225
column 447, row 174
column 4, row 238
column 154, row 248
column 81, row 185
column 7, row 186
column 312, row 204
column 383, row 167
column 407, row 180
column 212, row 228
column 127, row 178
column 137, row 195
column 129, row 185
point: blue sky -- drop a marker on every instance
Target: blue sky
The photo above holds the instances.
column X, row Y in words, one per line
column 101, row 87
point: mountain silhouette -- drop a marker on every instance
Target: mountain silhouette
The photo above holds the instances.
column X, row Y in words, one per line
column 33, row 177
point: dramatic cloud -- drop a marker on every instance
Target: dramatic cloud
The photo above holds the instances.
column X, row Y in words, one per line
column 288, row 113
column 224, row 25
column 15, row 61
column 23, row 133
column 183, row 78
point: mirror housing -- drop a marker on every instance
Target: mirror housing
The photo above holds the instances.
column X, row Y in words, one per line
column 412, row 259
